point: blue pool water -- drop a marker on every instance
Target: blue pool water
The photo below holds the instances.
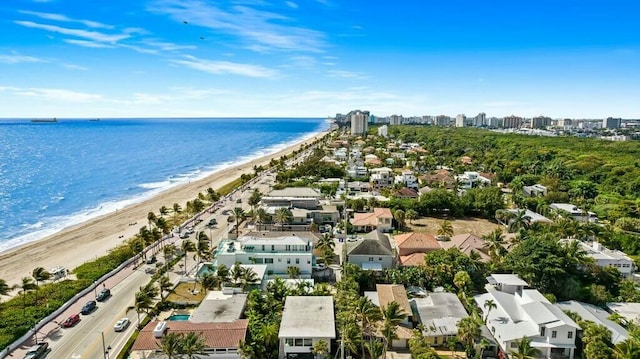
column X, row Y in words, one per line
column 179, row 317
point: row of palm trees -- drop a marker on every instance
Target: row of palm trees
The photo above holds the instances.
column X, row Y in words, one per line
column 26, row 285
column 180, row 345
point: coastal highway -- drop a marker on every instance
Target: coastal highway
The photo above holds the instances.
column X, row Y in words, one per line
column 84, row 340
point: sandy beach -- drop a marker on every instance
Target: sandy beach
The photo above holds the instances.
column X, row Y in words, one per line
column 86, row 241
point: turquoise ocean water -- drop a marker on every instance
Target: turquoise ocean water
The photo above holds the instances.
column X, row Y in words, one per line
column 54, row 175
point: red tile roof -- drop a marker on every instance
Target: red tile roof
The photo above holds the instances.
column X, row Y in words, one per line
column 417, row 241
column 467, row 243
column 216, row 335
column 371, row 218
column 414, row 259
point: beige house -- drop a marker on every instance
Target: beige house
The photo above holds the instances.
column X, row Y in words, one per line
column 380, row 219
column 467, row 243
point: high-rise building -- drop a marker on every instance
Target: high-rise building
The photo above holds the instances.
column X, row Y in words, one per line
column 611, row 123
column 540, row 122
column 494, row 122
column 512, row 122
column 564, row 123
column 359, row 122
column 460, row 120
column 383, row 131
column 443, row 120
column 395, row 120
column 480, row 120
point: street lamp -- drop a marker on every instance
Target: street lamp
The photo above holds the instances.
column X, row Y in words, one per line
column 105, row 350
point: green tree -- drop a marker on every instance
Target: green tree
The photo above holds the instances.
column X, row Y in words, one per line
column 5, row 289
column 170, row 345
column 238, row 215
column 399, row 215
column 462, row 280
column 26, row 285
column 488, row 306
column 283, row 216
column 187, row 246
column 151, row 219
column 320, row 349
column 525, row 350
column 494, row 244
column 392, row 316
column 446, row 229
column 164, row 284
column 254, row 199
column 143, row 302
column 163, row 211
column 192, row 344
column 468, row 332
column 39, row 274
column 411, row 215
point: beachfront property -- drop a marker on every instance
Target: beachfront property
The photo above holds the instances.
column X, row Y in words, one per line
column 222, row 340
column 372, row 251
column 305, row 321
column 605, row 257
column 382, row 297
column 277, row 253
column 521, row 312
column 574, row 212
column 380, row 219
column 220, row 307
column 299, row 197
column 439, row 313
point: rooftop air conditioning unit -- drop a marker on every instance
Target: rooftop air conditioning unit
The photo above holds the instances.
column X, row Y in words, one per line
column 158, row 331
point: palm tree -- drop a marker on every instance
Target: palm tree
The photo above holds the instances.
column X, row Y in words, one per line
column 525, row 350
column 484, row 345
column 202, row 247
column 446, row 229
column 411, row 215
column 367, row 314
column 39, row 274
column 4, row 287
column 628, row 349
column 326, row 242
column 283, row 216
column 163, row 211
column 176, row 210
column 320, row 349
column 293, row 272
column 169, row 251
column 261, row 216
column 399, row 216
column 26, row 286
column 151, row 218
column 392, row 315
column 494, row 244
column 164, row 283
column 255, row 199
column 488, row 305
column 238, row 216
column 374, row 348
column 187, row 246
column 222, row 272
column 212, row 195
column 142, row 303
column 209, row 281
column 468, row 332
column 171, row 345
column 248, row 277
column 192, row 344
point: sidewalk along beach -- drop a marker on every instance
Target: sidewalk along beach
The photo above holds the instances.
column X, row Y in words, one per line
column 86, row 241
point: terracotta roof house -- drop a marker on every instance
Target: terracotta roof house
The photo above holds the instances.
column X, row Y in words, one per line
column 382, row 297
column 467, row 243
column 380, row 219
column 414, row 259
column 440, row 178
column 372, row 252
column 405, row 192
column 413, row 246
column 221, row 339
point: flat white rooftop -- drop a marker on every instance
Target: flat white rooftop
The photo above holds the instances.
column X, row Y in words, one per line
column 308, row 317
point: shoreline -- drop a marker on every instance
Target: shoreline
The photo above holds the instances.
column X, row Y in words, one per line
column 88, row 240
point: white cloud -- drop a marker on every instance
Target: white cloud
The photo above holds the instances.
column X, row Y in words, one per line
column 15, row 58
column 259, row 30
column 167, row 46
column 90, row 35
column 343, row 74
column 226, row 67
column 75, row 67
column 63, row 18
column 291, row 4
column 85, row 43
column 52, row 94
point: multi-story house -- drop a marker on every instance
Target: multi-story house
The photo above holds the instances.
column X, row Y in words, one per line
column 300, row 197
column 371, row 252
column 526, row 313
column 407, row 179
column 305, row 321
column 381, row 177
column 605, row 257
column 574, row 212
column 277, row 253
column 380, row 219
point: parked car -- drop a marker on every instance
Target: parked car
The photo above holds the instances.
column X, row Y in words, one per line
column 37, row 351
column 213, row 222
column 89, row 307
column 103, row 295
column 239, row 200
column 190, row 230
column 71, row 321
column 150, row 270
column 151, row 260
column 121, row 325
column 184, row 235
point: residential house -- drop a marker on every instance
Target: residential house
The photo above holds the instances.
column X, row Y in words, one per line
column 358, row 187
column 371, row 252
column 467, row 243
column 382, row 297
column 629, row 311
column 412, row 247
column 405, row 192
column 357, row 171
column 407, row 179
column 219, row 307
column 381, row 177
column 340, row 154
column 537, row 190
column 439, row 313
column 605, row 257
column 574, row 212
column 469, row 180
column 380, row 219
column 222, row 340
column 300, row 197
column 277, row 253
column 521, row 312
column 441, row 178
column 597, row 315
column 530, row 216
column 305, row 321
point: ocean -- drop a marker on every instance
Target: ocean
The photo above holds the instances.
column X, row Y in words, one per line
column 54, row 175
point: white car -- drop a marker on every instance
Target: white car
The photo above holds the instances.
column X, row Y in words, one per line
column 190, row 230
column 121, row 325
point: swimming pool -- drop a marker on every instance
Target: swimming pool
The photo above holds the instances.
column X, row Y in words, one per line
column 179, row 317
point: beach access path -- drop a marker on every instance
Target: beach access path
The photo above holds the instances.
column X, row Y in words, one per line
column 87, row 241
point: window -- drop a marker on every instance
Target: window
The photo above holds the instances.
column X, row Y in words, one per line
column 299, row 342
column 380, row 258
column 370, row 259
column 308, row 342
column 554, row 334
column 287, row 248
column 542, row 332
column 513, row 344
column 288, row 260
column 297, row 260
column 279, row 260
column 273, row 248
column 570, row 335
column 308, row 261
column 268, row 260
column 263, row 247
column 289, row 342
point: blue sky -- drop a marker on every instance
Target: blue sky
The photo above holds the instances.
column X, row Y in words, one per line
column 147, row 58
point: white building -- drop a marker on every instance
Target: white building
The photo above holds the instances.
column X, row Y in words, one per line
column 527, row 313
column 407, row 179
column 301, row 197
column 305, row 321
column 597, row 315
column 460, row 120
column 383, row 131
column 574, row 212
column 359, row 122
column 470, row 180
column 381, row 177
column 357, row 171
column 605, row 257
column 277, row 253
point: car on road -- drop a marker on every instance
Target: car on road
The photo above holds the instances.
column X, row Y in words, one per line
column 37, row 351
column 89, row 307
column 71, row 321
column 190, row 230
column 150, row 270
column 103, row 295
column 239, row 200
column 213, row 222
column 226, row 211
column 184, row 235
column 121, row 325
